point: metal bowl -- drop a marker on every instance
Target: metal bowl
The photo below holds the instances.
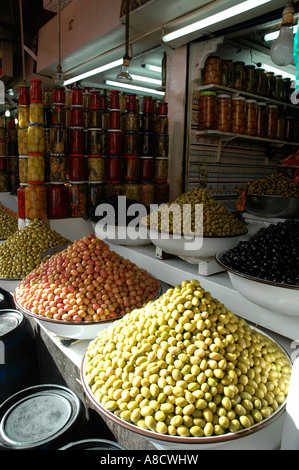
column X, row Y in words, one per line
column 278, row 298
column 261, row 436
column 272, row 206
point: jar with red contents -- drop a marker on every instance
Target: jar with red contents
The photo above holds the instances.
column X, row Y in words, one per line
column 114, row 119
column 57, row 200
column 146, row 168
column 77, row 198
column 77, row 96
column 148, row 105
column 36, row 92
column 131, row 103
column 76, row 140
column 114, row 99
column 131, row 143
column 114, row 168
column 77, row 168
column 58, row 114
column 95, row 99
column 147, row 144
column 21, row 200
column 3, row 162
column 131, row 168
column 24, row 95
column 147, row 122
column 114, row 143
column 77, row 116
column 58, row 95
column 162, row 109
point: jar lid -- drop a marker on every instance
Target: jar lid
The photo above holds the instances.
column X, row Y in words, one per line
column 75, row 106
column 23, row 156
column 223, row 95
column 112, row 109
column 239, row 98
column 261, row 103
column 77, row 182
column 96, row 182
column 133, row 157
column 35, row 124
column 114, row 130
column 94, row 129
column 251, row 101
column 57, row 155
column 23, row 184
column 161, row 181
column 57, row 103
column 36, row 154
column 95, row 107
column 56, row 182
column 272, row 106
column 113, row 182
column 77, row 128
column 24, row 85
column 150, row 158
column 36, row 80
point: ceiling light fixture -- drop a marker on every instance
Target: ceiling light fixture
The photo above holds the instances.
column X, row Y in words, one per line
column 213, row 19
column 124, row 75
column 278, row 71
column 95, row 71
column 281, row 51
column 274, row 35
column 141, row 78
column 153, row 68
column 134, row 87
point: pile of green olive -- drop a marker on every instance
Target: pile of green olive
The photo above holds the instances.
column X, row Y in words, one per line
column 8, row 222
column 21, row 252
column 182, row 216
column 185, row 365
column 274, row 185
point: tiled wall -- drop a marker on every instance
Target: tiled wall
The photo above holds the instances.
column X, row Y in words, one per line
column 240, row 161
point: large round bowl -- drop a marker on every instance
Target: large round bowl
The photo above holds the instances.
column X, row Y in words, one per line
column 122, row 235
column 185, row 246
column 272, row 206
column 278, row 298
column 9, row 284
column 86, row 330
column 265, row 435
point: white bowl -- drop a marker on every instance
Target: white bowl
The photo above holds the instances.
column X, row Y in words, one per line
column 9, row 284
column 201, row 247
column 122, row 235
column 265, row 435
column 278, row 298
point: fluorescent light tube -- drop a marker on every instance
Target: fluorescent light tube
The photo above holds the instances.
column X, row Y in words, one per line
column 275, row 34
column 134, row 87
column 141, row 78
column 100, row 69
column 153, row 68
column 278, row 71
column 213, row 19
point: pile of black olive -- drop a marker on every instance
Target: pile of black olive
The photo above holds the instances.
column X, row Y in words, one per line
column 113, row 201
column 271, row 254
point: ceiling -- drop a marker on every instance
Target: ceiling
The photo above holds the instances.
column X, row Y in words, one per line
column 146, row 30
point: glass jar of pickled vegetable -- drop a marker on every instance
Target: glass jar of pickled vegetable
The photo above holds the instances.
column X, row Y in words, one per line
column 289, row 128
column 227, row 73
column 114, row 102
column 114, row 142
column 13, row 164
column 36, row 112
column 161, row 169
column 57, row 168
column 58, row 114
column 114, row 168
column 161, row 192
column 77, row 168
column 35, row 201
column 36, row 92
column 262, row 120
column 3, row 163
column 147, row 193
column 77, row 116
column 147, row 144
column 147, row 123
column 77, row 197
column 239, row 75
column 77, row 96
column 131, row 168
column 272, row 121
column 287, row 91
column 24, row 95
column 4, row 182
column 161, row 145
column 96, row 168
column 57, row 200
column 59, row 95
column 212, row 70
column 76, row 141
column 23, row 140
column 270, row 85
column 250, row 78
column 36, row 167
column 114, row 119
column 224, row 113
column 46, row 96
column 281, row 125
column 95, row 116
column 131, row 121
column 94, row 142
column 23, row 116
column 146, row 168
column 279, row 88
column 207, row 117
column 36, row 138
column 95, row 194
column 113, row 188
column 261, row 82
column 58, row 140
column 131, row 143
column 131, row 190
column 251, row 117
column 21, row 200
column 238, row 115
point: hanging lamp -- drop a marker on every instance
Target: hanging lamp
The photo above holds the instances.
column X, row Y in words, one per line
column 124, row 75
column 59, row 74
column 281, row 51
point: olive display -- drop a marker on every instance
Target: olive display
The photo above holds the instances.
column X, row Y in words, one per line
column 185, row 365
column 278, row 185
column 21, row 252
column 86, row 282
column 217, row 220
column 8, row 222
column 271, row 254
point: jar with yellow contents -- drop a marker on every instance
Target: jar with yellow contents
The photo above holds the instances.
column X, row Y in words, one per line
column 35, row 201
column 36, row 138
column 23, row 115
column 36, row 167
column 23, row 168
column 23, row 140
column 36, row 112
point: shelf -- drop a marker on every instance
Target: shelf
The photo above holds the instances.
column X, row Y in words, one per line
column 231, row 135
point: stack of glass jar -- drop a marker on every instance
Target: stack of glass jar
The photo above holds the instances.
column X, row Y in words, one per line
column 4, row 181
column 115, row 151
column 147, row 141
column 58, row 161
column 131, row 147
column 95, row 157
column 77, row 188
column 35, row 191
column 13, row 156
column 161, row 154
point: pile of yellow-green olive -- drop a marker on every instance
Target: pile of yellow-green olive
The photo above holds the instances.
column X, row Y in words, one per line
column 8, row 222
column 185, row 365
column 182, row 216
column 21, row 252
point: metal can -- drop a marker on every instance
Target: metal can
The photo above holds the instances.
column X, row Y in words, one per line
column 57, row 200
